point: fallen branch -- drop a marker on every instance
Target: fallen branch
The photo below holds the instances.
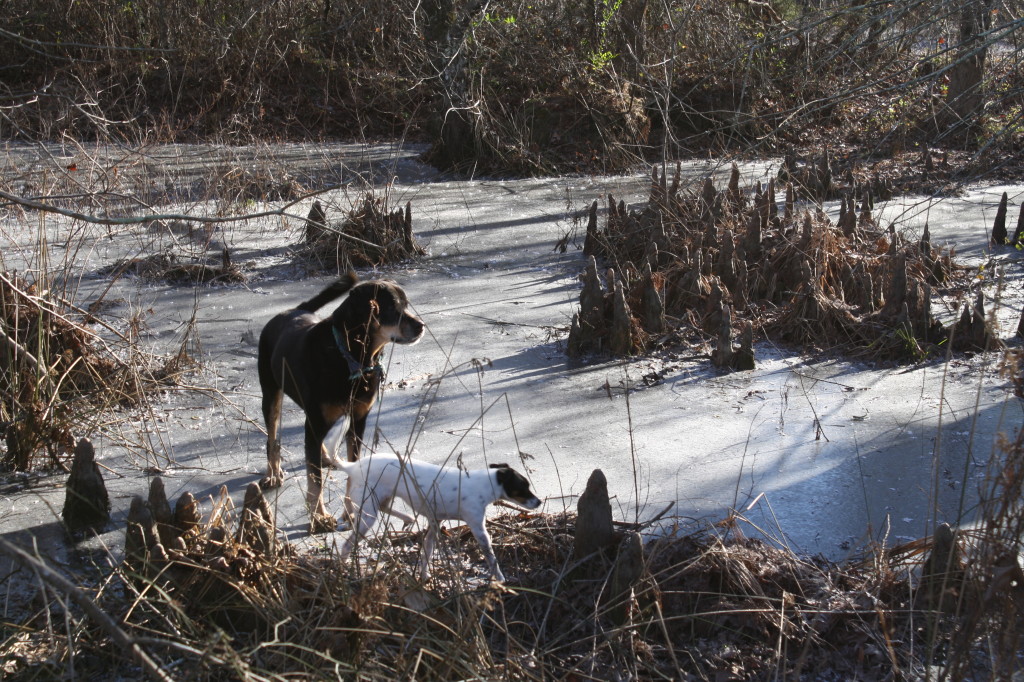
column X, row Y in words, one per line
column 134, row 220
column 645, row 524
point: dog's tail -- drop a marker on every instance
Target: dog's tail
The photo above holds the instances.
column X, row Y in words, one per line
column 345, row 466
column 335, row 290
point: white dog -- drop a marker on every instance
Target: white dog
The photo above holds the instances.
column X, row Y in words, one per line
column 438, row 493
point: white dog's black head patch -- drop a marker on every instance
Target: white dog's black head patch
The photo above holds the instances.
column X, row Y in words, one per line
column 515, row 486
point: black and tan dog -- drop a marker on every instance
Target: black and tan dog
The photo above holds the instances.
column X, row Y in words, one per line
column 331, row 369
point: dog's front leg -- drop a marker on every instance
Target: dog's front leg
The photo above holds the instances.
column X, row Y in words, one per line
column 319, row 520
column 275, row 474
column 355, row 437
column 479, row 530
column 406, row 519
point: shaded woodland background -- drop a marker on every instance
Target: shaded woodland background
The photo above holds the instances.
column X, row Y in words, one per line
column 512, row 87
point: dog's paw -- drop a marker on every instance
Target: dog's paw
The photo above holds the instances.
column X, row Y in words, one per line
column 271, row 481
column 322, row 523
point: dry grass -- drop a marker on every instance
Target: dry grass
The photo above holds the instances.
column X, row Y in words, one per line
column 59, row 374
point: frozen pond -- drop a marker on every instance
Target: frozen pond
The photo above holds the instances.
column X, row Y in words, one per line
column 820, row 454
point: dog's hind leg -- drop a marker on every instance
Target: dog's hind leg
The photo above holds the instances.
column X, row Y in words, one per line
column 272, row 417
column 273, row 398
column 429, row 540
column 367, row 515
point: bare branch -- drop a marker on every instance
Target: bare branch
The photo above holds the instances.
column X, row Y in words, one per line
column 134, row 220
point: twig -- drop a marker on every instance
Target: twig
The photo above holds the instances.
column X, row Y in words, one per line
column 90, row 607
column 646, row 524
column 503, row 323
column 18, row 348
column 824, row 381
column 16, row 37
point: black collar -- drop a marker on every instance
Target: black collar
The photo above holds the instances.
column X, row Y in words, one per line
column 358, row 371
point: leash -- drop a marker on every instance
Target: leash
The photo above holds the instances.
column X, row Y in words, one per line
column 358, row 371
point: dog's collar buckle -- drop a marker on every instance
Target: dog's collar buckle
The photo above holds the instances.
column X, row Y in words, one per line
column 377, row 371
column 358, row 371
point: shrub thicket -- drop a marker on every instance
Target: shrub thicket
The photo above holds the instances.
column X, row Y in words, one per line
column 514, row 86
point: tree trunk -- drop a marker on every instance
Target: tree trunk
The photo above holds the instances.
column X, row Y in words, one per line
column 964, row 99
column 454, row 120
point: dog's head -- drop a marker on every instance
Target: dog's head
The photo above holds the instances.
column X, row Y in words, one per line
column 378, row 310
column 515, row 487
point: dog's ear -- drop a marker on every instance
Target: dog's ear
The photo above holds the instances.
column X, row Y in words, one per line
column 514, row 484
column 500, row 466
column 358, row 307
